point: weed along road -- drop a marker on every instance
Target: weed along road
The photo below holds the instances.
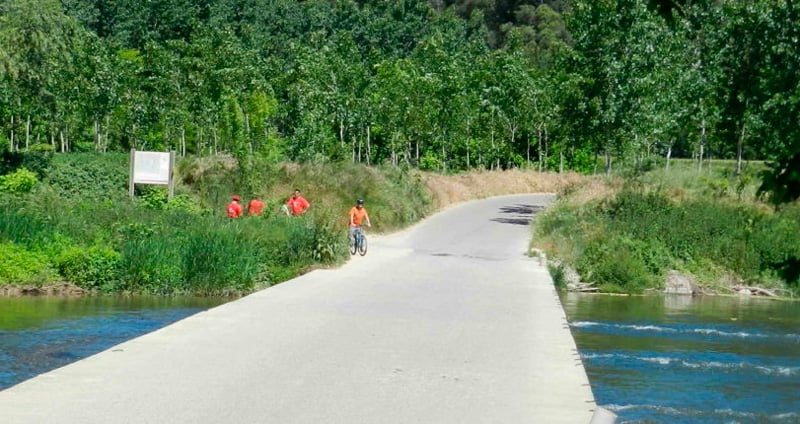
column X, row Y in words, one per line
column 446, row 322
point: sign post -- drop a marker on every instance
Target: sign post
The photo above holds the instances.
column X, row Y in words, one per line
column 152, row 168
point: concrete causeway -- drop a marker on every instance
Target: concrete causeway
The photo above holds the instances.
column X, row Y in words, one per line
column 445, row 322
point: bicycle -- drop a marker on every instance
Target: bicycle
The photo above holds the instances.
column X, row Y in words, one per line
column 359, row 242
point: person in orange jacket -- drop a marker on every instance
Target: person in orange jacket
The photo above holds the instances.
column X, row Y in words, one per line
column 296, row 204
column 255, row 207
column 234, row 209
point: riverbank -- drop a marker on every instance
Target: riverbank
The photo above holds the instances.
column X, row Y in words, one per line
column 53, row 289
column 646, row 234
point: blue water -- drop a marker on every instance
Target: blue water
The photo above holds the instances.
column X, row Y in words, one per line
column 40, row 334
column 690, row 359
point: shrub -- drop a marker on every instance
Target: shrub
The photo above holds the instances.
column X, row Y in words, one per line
column 20, row 266
column 92, row 268
column 616, row 262
column 777, row 243
column 91, row 176
column 38, row 160
column 19, row 181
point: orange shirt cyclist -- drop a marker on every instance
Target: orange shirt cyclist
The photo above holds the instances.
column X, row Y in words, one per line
column 358, row 214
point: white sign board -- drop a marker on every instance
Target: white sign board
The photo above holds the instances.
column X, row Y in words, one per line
column 151, row 167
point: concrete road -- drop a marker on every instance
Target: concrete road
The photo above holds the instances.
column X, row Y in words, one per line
column 446, row 322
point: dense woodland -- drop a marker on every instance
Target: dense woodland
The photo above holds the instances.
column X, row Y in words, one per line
column 441, row 85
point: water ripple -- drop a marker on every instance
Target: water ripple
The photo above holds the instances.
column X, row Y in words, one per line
column 721, row 331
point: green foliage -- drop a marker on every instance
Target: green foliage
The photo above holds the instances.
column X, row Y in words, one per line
column 781, row 182
column 220, row 259
column 93, row 268
column 19, row 181
column 620, row 262
column 157, row 197
column 38, row 160
column 559, row 275
column 628, row 242
column 22, row 225
column 21, row 266
column 153, row 265
column 90, row 176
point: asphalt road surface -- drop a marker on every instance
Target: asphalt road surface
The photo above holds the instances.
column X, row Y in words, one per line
column 446, row 322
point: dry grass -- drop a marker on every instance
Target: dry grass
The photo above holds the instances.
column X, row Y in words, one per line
column 448, row 190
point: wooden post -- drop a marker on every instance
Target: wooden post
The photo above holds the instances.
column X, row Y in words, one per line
column 171, row 176
column 130, row 175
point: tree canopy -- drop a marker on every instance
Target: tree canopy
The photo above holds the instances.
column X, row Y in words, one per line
column 438, row 84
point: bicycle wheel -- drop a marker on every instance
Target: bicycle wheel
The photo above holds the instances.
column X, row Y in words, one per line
column 362, row 246
column 354, row 244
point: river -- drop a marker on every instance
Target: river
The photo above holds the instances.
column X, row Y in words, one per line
column 683, row 359
column 39, row 334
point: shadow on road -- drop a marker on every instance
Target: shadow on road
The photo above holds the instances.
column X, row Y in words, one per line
column 521, row 214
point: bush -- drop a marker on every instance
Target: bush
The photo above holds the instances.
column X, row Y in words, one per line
column 38, row 160
column 20, row 266
column 19, row 181
column 90, row 176
column 617, row 262
column 93, row 268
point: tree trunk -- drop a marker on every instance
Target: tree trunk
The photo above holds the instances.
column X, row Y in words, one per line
column 528, row 152
column 341, row 132
column 352, row 152
column 28, row 133
column 539, row 136
column 199, row 141
column 608, row 162
column 546, row 148
column 183, row 141
column 97, row 142
column 702, row 145
column 369, row 147
column 669, row 155
column 561, row 160
column 394, row 149
column 11, row 139
column 214, row 131
column 740, row 148
column 444, row 156
column 105, row 137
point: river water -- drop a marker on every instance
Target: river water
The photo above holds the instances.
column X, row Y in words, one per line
column 683, row 359
column 39, row 334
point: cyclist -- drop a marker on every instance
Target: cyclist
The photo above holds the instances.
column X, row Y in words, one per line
column 358, row 214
